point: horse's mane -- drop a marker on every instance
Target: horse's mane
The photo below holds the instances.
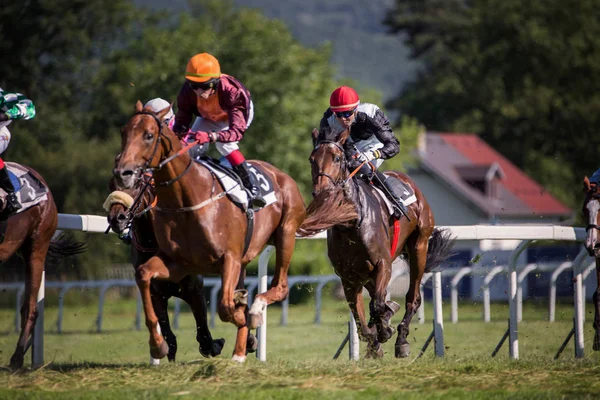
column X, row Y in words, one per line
column 329, row 208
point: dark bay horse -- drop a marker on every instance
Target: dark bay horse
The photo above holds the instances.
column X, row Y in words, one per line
column 30, row 234
column 200, row 232
column 131, row 209
column 360, row 240
column 591, row 215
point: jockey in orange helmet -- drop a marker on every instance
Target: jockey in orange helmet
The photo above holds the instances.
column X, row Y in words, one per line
column 371, row 137
column 224, row 110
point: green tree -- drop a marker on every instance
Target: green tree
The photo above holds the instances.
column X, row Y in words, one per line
column 520, row 74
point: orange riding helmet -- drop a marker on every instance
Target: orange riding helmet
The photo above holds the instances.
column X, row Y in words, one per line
column 202, row 67
column 343, row 98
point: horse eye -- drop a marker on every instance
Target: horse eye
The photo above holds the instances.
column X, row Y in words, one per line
column 148, row 136
column 337, row 159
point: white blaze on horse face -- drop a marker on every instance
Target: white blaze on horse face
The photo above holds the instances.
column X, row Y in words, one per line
column 593, row 206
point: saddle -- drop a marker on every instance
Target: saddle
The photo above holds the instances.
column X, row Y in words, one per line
column 233, row 185
column 28, row 189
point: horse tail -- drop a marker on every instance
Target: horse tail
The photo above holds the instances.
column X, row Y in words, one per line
column 63, row 246
column 440, row 247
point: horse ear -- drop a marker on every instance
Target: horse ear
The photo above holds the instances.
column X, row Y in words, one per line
column 315, row 135
column 138, row 107
column 163, row 112
column 343, row 137
column 587, row 186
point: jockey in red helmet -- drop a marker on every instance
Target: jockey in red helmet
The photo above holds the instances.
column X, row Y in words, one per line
column 224, row 110
column 371, row 137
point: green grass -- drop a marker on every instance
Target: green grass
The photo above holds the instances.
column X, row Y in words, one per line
column 113, row 364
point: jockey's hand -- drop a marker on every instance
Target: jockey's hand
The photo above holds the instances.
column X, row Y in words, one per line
column 4, row 117
column 369, row 155
column 201, row 137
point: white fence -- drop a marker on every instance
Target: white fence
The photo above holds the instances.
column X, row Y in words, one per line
column 526, row 233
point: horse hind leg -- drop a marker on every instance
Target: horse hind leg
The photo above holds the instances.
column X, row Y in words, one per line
column 417, row 249
column 596, row 297
column 34, row 262
column 285, row 240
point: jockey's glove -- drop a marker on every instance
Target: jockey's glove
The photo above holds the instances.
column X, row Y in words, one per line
column 369, row 155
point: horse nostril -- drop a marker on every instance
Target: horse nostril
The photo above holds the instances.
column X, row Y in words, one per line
column 121, row 217
column 314, row 193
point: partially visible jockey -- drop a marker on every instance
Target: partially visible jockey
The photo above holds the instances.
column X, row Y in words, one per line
column 224, row 110
column 371, row 137
column 12, row 106
column 159, row 104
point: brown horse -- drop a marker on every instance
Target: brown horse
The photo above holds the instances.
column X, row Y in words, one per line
column 30, row 234
column 200, row 232
column 360, row 240
column 131, row 210
column 591, row 214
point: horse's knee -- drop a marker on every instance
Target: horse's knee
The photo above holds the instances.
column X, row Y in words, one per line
column 226, row 311
column 143, row 275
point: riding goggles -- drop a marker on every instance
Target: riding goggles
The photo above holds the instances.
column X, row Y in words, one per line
column 345, row 114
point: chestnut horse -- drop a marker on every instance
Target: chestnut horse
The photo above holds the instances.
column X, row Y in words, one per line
column 30, row 234
column 591, row 214
column 360, row 236
column 132, row 210
column 199, row 231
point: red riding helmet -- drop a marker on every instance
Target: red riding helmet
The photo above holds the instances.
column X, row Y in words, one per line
column 343, row 98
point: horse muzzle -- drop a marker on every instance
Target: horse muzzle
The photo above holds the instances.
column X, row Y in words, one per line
column 125, row 177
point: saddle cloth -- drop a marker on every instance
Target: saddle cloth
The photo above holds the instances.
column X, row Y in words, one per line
column 232, row 184
column 404, row 192
column 29, row 190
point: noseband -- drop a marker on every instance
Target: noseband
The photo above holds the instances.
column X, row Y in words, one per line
column 343, row 167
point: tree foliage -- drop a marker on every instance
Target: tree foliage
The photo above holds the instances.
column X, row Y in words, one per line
column 521, row 74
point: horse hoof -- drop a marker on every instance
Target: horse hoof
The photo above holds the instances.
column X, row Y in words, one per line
column 217, row 347
column 372, row 353
column 16, row 362
column 160, row 351
column 154, row 361
column 239, row 359
column 402, row 351
column 385, row 333
column 251, row 344
column 256, row 313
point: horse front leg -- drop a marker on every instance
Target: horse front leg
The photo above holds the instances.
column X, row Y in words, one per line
column 382, row 311
column 191, row 291
column 596, row 345
column 354, row 298
column 160, row 292
column 417, row 250
column 155, row 267
column 285, row 241
column 234, row 303
column 33, row 278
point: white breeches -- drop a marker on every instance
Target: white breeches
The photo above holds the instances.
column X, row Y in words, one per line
column 4, row 139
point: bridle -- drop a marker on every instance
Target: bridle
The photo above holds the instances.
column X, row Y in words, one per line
column 592, row 195
column 342, row 179
column 146, row 168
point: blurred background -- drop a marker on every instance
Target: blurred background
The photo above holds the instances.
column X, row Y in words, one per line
column 520, row 76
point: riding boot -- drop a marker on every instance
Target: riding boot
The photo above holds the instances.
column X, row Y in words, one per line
column 399, row 207
column 250, row 183
column 12, row 203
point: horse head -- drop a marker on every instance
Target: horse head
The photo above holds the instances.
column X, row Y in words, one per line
column 591, row 214
column 329, row 166
column 141, row 146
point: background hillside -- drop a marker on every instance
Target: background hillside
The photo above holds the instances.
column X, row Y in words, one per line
column 361, row 50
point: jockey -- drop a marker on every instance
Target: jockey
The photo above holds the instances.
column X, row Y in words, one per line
column 12, row 106
column 371, row 137
column 224, row 109
column 159, row 104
